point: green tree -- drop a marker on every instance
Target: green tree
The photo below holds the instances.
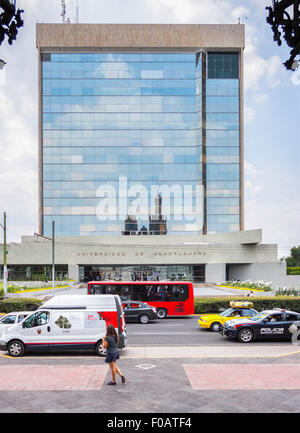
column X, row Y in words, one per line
column 294, row 258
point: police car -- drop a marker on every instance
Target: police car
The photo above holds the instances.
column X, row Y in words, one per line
column 268, row 324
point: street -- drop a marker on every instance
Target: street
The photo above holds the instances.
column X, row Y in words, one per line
column 182, row 331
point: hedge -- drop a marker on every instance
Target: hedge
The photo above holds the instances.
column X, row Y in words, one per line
column 215, row 305
column 295, row 270
column 9, row 305
column 202, row 305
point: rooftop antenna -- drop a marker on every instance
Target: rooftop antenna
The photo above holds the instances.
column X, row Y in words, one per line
column 242, row 20
column 63, row 13
column 77, row 12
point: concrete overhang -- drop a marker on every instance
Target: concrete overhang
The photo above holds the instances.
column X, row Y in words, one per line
column 248, row 237
column 97, row 37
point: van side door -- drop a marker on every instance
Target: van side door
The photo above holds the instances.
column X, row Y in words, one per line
column 35, row 331
column 73, row 330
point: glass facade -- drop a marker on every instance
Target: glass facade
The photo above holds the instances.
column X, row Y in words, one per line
column 142, row 273
column 140, row 122
column 35, row 272
column 222, row 134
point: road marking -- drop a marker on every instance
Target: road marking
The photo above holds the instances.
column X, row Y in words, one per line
column 146, row 366
column 163, row 333
column 287, row 354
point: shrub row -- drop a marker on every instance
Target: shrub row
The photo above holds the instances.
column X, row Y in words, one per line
column 295, row 270
column 215, row 305
column 9, row 305
column 202, row 305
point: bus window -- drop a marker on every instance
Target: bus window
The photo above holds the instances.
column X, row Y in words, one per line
column 156, row 293
column 180, row 292
column 138, row 292
column 111, row 289
column 97, row 289
column 124, row 292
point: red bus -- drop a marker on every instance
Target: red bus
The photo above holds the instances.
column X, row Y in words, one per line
column 174, row 298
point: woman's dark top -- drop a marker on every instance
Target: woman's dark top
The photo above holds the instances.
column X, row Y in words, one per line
column 112, row 344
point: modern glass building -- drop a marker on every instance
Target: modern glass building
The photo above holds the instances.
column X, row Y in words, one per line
column 124, row 126
column 141, row 133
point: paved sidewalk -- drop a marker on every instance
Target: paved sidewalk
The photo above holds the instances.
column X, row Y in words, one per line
column 153, row 385
column 259, row 380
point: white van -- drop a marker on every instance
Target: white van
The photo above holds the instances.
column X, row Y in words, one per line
column 67, row 323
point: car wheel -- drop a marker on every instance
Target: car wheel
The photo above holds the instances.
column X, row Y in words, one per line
column 162, row 313
column 100, row 351
column 245, row 335
column 144, row 318
column 215, row 327
column 16, row 348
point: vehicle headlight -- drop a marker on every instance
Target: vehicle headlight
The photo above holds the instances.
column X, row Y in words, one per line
column 154, row 309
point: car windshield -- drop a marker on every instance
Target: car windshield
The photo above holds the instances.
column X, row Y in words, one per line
column 227, row 312
column 259, row 316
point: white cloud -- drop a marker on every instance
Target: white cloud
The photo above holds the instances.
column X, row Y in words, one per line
column 250, row 169
column 270, row 204
column 191, row 11
column 240, row 14
column 18, row 175
column 260, row 72
column 249, row 114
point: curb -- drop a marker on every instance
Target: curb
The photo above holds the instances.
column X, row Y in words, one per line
column 241, row 288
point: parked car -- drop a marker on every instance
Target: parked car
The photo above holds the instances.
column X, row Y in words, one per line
column 13, row 318
column 136, row 311
column 214, row 322
column 269, row 324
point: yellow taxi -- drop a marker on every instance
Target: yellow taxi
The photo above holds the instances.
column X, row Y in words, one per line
column 237, row 309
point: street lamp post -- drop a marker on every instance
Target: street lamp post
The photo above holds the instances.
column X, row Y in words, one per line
column 53, row 254
column 53, row 257
column 4, row 256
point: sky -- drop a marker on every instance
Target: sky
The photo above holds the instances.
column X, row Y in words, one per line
column 272, row 109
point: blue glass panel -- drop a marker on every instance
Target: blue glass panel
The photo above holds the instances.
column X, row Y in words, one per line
column 136, row 115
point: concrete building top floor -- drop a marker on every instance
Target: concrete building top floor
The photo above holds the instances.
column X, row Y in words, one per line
column 148, row 36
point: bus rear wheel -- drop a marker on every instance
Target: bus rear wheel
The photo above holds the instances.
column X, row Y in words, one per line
column 162, row 313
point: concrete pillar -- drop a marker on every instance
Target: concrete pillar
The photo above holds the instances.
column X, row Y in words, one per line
column 73, row 272
column 215, row 272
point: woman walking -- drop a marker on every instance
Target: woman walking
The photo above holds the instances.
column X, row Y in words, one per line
column 111, row 341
